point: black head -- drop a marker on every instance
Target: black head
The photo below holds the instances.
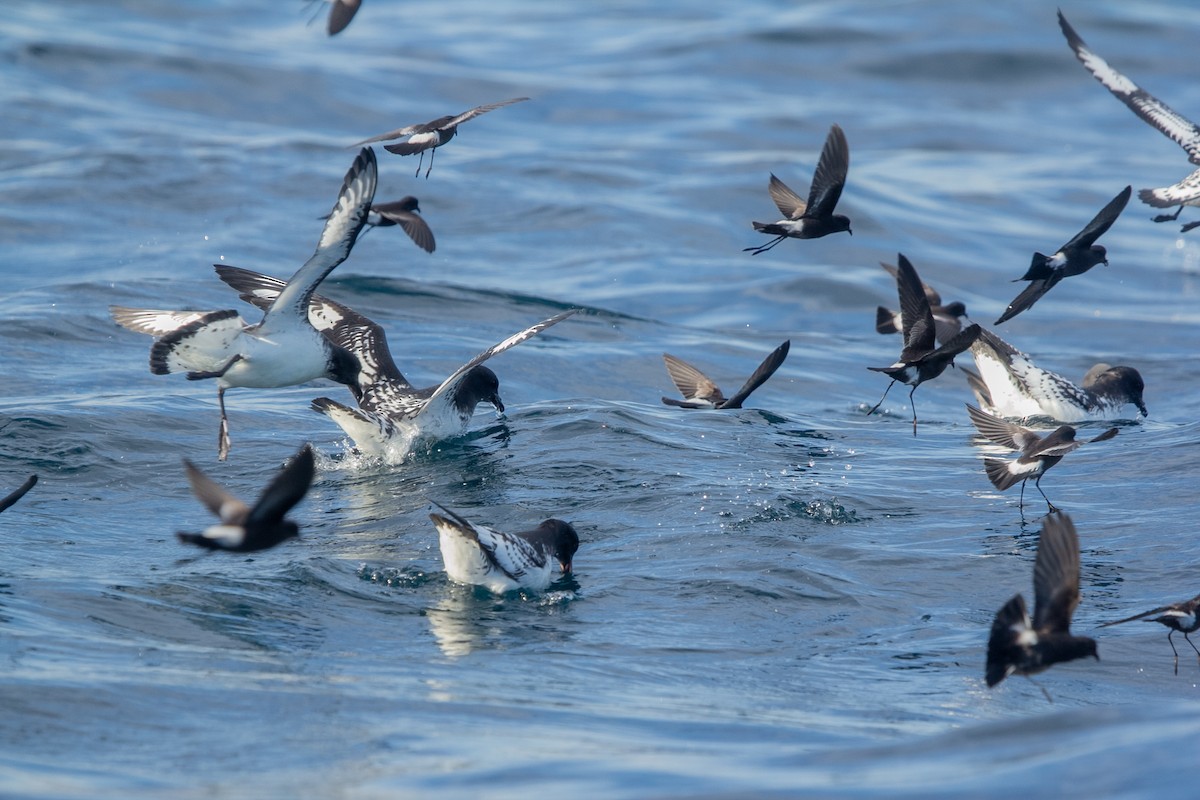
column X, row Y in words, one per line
column 1099, row 254
column 1120, row 383
column 561, row 541
column 838, row 223
column 479, row 385
column 955, row 309
column 344, row 368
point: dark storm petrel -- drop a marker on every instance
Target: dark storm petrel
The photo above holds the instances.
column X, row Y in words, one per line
column 1169, row 122
column 1073, row 258
column 947, row 318
column 1017, row 646
column 814, row 218
column 432, row 135
column 18, row 493
column 284, row 349
column 919, row 361
column 1038, row 453
column 403, row 212
column 244, row 529
column 1009, row 384
column 700, row 392
column 502, row 562
column 1182, row 617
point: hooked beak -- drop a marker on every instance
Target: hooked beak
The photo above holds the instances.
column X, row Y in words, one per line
column 498, row 403
column 565, row 566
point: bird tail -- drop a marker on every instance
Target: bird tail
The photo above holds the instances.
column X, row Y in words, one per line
column 885, row 321
column 1000, row 655
column 364, row 428
column 999, row 474
column 198, row 539
column 769, row 227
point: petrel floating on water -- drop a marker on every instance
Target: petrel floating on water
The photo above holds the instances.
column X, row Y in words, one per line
column 244, row 529
column 1182, row 617
column 1009, row 384
column 432, row 135
column 1038, row 453
column 1167, row 120
column 813, row 218
column 1073, row 258
column 699, row 391
column 502, row 562
column 1018, row 646
column 393, row 416
column 919, row 361
column 282, row 350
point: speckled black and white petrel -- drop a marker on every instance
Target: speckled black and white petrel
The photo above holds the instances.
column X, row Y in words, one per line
column 244, row 529
column 1073, row 258
column 1018, row 646
column 282, row 350
column 919, row 361
column 1150, row 109
column 1038, row 453
column 947, row 317
column 432, row 135
column 700, row 392
column 1183, row 617
column 393, row 417
column 403, row 212
column 813, row 218
column 20, row 492
column 1009, row 384
column 504, row 562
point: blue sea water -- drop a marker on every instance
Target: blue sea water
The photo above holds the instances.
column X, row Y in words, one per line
column 791, row 599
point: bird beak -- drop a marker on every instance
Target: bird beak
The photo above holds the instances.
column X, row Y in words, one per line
column 565, row 566
column 1142, row 408
column 498, row 403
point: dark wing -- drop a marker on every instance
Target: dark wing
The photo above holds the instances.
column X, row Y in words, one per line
column 1003, row 649
column 407, row 130
column 931, row 294
column 1101, row 222
column 1108, row 434
column 691, row 382
column 1058, row 442
column 1056, row 575
column 412, row 223
column 1028, row 296
column 19, row 493
column 477, row 110
column 1152, row 612
column 340, row 15
column 982, row 394
column 956, row 344
column 790, row 204
column 229, row 509
column 765, row 370
column 920, row 335
column 288, row 488
column 1152, row 110
column 1003, row 433
column 830, row 175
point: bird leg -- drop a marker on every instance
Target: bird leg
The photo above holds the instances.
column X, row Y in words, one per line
column 216, row 373
column 223, row 431
column 1169, row 217
column 1049, row 699
column 1173, row 650
column 914, row 408
column 764, row 247
column 885, row 391
column 417, row 174
column 434, row 150
column 1038, row 484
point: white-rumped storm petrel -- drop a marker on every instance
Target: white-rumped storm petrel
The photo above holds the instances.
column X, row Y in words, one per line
column 1182, row 617
column 393, row 416
column 504, row 562
column 919, row 361
column 947, row 318
column 432, row 135
column 1017, row 646
column 244, row 529
column 1038, row 453
column 1073, row 258
column 1150, row 109
column 403, row 212
column 700, row 392
column 282, row 350
column 1009, row 384
column 20, row 492
column 813, row 218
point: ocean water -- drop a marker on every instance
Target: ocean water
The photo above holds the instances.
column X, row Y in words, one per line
column 791, row 599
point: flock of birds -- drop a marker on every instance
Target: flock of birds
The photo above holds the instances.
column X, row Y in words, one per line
column 303, row 336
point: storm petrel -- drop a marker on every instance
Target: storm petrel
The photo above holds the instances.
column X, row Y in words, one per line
column 1009, row 384
column 393, row 417
column 1073, row 258
column 244, row 529
column 1182, row 617
column 284, row 349
column 947, row 318
column 503, row 562
column 1018, row 647
column 919, row 361
column 403, row 212
column 340, row 14
column 813, row 218
column 1169, row 122
column 432, row 135
column 1038, row 453
column 700, row 392
column 20, row 492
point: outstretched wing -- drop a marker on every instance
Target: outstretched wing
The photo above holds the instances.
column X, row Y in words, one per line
column 288, row 488
column 790, row 204
column 20, row 492
column 477, row 110
column 698, row 389
column 1101, row 222
column 765, row 370
column 1056, row 574
column 830, row 176
column 920, row 335
column 1002, row 432
column 229, row 509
